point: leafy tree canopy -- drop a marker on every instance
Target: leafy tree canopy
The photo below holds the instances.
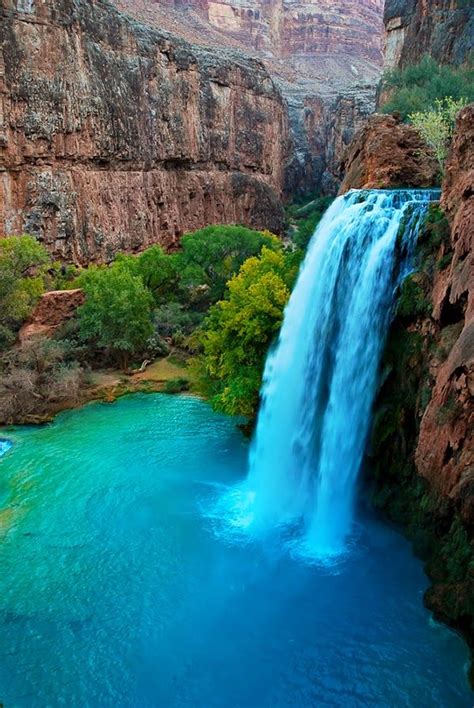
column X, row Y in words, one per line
column 23, row 266
column 239, row 330
column 210, row 256
column 417, row 88
column 117, row 312
column 159, row 271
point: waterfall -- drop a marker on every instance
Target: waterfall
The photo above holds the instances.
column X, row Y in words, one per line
column 321, row 376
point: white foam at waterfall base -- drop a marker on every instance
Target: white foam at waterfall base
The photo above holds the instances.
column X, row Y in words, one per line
column 320, row 378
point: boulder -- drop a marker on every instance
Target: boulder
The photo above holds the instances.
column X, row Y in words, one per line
column 52, row 311
column 384, row 154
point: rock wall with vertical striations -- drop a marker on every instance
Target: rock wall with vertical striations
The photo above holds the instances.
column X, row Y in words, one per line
column 443, row 29
column 114, row 135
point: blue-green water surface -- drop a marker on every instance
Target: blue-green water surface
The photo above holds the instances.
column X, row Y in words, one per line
column 116, row 588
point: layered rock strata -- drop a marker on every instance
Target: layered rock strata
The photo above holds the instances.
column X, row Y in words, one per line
column 324, row 55
column 114, row 135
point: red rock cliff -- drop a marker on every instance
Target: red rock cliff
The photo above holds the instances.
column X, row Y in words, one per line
column 114, row 135
column 442, row 28
column 324, row 54
column 445, row 451
column 286, row 28
column 386, row 154
column 423, row 437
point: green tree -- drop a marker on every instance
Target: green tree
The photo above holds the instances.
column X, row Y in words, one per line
column 117, row 311
column 436, row 127
column 158, row 270
column 211, row 256
column 239, row 330
column 23, row 264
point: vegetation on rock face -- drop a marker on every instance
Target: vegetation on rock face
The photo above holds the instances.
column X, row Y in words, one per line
column 429, row 96
column 303, row 219
column 239, row 330
column 417, row 88
column 436, row 127
column 412, row 300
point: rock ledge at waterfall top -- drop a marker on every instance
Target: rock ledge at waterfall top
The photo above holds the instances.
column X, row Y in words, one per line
column 386, row 154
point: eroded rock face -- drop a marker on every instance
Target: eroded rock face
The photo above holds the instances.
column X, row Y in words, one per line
column 385, row 154
column 423, row 446
column 114, row 135
column 442, row 28
column 445, row 451
column 53, row 310
column 324, row 55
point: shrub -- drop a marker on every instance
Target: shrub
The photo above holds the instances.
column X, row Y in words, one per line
column 417, row 87
column 436, row 127
column 40, row 372
column 173, row 319
column 178, row 385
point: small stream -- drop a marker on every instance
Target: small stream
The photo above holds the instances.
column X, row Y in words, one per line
column 118, row 587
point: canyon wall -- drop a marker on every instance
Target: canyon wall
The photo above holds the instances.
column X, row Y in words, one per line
column 423, row 437
column 114, row 135
column 442, row 28
column 285, row 28
column 325, row 56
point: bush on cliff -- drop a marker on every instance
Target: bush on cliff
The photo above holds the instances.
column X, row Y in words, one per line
column 418, row 87
column 239, row 330
column 117, row 313
column 23, row 271
column 436, row 127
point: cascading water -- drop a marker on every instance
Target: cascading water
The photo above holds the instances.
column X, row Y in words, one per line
column 320, row 379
